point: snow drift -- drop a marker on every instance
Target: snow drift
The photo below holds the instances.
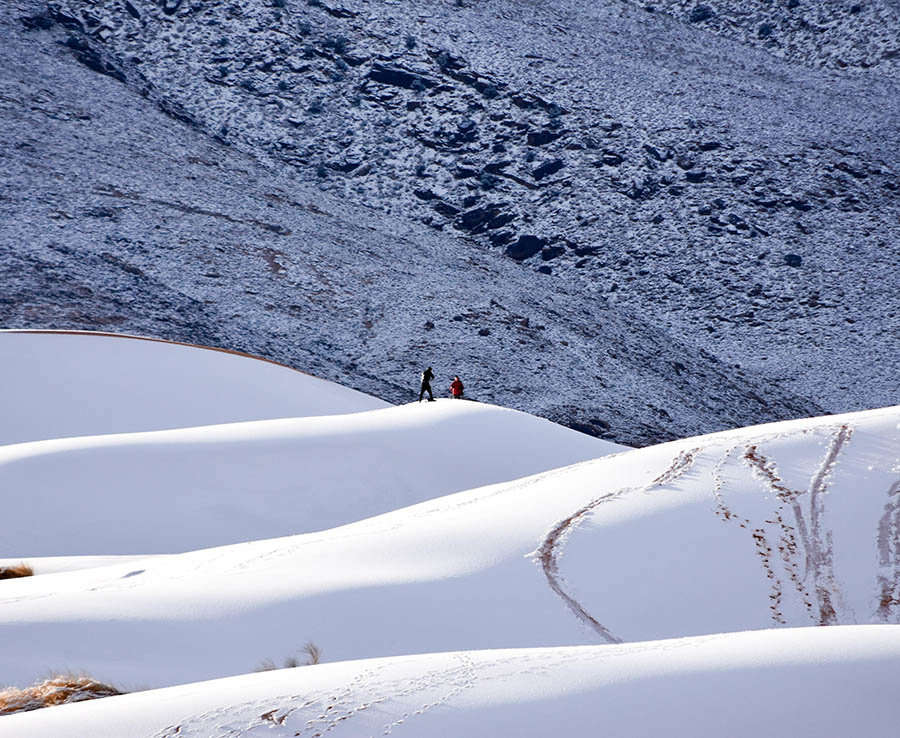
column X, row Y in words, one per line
column 679, row 539
column 575, row 571
column 187, row 488
column 835, row 681
column 69, row 384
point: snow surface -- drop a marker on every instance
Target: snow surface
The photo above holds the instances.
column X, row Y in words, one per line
column 783, row 684
column 631, row 547
column 171, row 491
column 64, row 384
column 575, row 571
column 188, row 488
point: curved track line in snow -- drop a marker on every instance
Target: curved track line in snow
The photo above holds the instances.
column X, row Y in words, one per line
column 760, row 541
column 437, row 507
column 551, row 549
column 466, row 678
column 888, row 540
column 828, row 590
column 814, row 539
column 788, row 534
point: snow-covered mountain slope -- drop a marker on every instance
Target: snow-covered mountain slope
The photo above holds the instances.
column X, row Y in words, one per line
column 65, row 384
column 114, row 215
column 782, row 684
column 747, row 203
column 178, row 490
column 789, row 524
column 829, row 33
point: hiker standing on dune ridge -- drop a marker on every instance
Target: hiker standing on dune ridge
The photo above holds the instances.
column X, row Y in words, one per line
column 427, row 376
column 456, row 388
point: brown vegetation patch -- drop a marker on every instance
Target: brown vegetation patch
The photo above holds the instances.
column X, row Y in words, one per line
column 16, row 571
column 58, row 690
column 310, row 654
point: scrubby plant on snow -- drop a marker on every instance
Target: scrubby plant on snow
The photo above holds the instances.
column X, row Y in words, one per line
column 309, row 655
column 57, row 690
column 16, row 571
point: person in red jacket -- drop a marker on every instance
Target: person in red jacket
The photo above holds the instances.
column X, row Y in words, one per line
column 456, row 388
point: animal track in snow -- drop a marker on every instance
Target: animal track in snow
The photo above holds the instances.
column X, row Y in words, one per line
column 319, row 714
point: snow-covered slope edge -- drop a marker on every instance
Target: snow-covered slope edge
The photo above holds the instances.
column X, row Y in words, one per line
column 785, row 524
column 78, row 384
column 826, row 33
column 781, row 684
column 184, row 489
column 747, row 203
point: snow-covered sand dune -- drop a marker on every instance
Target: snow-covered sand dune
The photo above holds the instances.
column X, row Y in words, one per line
column 61, row 384
column 780, row 684
column 177, row 490
column 679, row 539
column 788, row 524
column 190, row 488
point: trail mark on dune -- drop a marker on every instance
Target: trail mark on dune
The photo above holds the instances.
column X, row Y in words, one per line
column 889, row 555
column 551, row 549
column 827, row 588
column 350, row 710
column 788, row 534
column 807, row 532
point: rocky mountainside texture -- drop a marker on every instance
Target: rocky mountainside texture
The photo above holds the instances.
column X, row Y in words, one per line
column 839, row 34
column 607, row 216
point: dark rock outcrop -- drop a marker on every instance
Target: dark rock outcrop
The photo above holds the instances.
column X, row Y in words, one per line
column 525, row 247
column 542, row 138
column 386, row 74
column 548, row 168
column 485, row 218
column 700, row 13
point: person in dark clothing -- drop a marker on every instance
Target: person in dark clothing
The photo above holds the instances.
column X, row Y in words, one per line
column 427, row 376
column 456, row 388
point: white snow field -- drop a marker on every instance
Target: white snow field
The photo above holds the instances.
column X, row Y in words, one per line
column 189, row 488
column 61, row 384
column 799, row 682
column 172, row 491
column 576, row 570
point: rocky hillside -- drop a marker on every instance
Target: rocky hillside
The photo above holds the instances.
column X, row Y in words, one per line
column 117, row 216
column 625, row 168
column 837, row 34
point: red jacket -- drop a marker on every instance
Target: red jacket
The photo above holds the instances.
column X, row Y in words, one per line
column 456, row 388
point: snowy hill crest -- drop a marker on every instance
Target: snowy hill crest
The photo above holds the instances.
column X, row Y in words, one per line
column 452, row 597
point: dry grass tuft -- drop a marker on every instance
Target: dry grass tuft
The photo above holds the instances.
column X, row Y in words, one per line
column 58, row 690
column 311, row 652
column 16, row 571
